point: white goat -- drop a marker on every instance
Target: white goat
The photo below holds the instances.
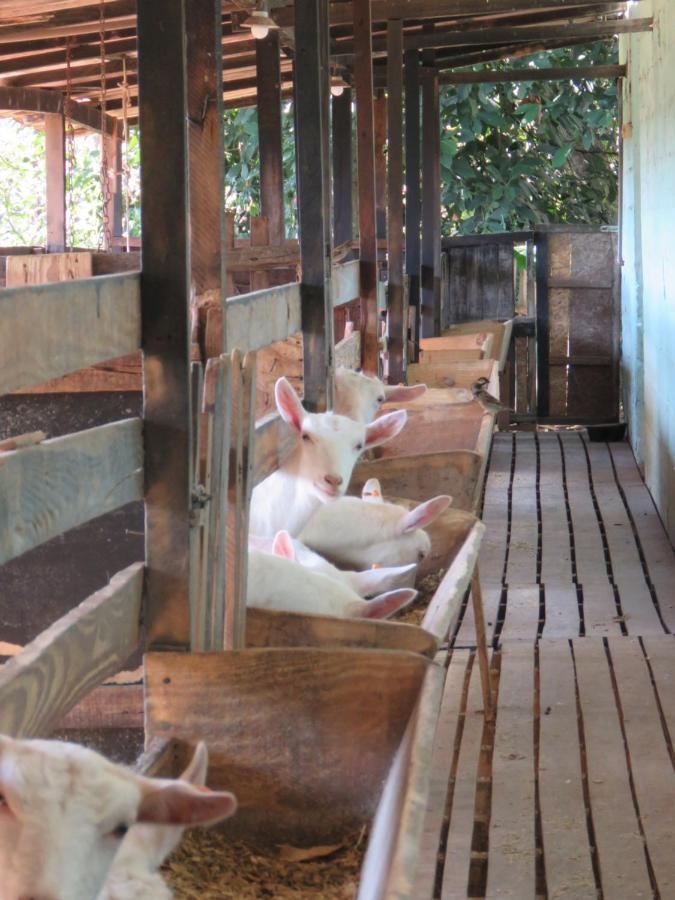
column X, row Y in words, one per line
column 319, row 468
column 65, row 810
column 279, row 582
column 366, row 583
column 357, row 533
column 360, row 396
column 135, row 870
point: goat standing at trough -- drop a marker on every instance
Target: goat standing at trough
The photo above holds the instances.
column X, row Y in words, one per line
column 277, row 581
column 135, row 870
column 65, row 810
column 357, row 533
column 360, row 397
column 319, row 468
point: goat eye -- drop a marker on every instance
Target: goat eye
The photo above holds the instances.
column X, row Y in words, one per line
column 120, row 831
column 380, row 399
column 306, row 437
column 359, row 447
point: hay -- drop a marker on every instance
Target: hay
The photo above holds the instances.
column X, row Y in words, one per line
column 413, row 614
column 210, row 866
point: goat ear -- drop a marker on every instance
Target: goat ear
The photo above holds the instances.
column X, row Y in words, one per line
column 178, row 803
column 399, row 393
column 372, row 491
column 387, row 604
column 370, row 581
column 288, row 403
column 424, row 514
column 195, row 773
column 386, row 427
column 283, row 545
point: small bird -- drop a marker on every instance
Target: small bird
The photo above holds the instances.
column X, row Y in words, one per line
column 485, row 398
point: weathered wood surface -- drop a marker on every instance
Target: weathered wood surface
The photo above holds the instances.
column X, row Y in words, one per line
column 443, row 357
column 397, row 330
column 55, row 169
column 40, row 685
column 348, row 351
column 253, row 321
column 42, row 268
column 458, row 374
column 49, row 330
column 242, row 702
column 422, row 476
column 482, row 339
column 274, row 441
column 123, row 374
column 49, row 487
column 272, row 628
column 345, row 282
column 440, row 429
column 480, row 282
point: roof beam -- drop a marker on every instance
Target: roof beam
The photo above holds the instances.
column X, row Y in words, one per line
column 35, row 100
column 560, row 73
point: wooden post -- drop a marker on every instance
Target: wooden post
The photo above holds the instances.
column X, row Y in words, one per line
column 165, row 287
column 205, row 136
column 342, row 168
column 365, row 141
column 117, row 210
column 111, row 199
column 431, row 208
column 380, row 133
column 543, row 328
column 55, row 164
column 412, row 189
column 312, row 87
column 397, row 331
column 269, row 135
column 481, row 643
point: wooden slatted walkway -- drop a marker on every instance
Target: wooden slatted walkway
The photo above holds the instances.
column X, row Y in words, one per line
column 569, row 792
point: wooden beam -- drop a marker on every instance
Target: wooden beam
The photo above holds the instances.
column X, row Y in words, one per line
column 413, row 198
column 559, row 73
column 75, row 654
column 431, row 209
column 397, row 329
column 380, row 135
column 543, row 328
column 27, row 99
column 55, row 166
column 313, row 174
column 56, row 485
column 166, row 300
column 345, row 280
column 342, row 167
column 205, row 142
column 269, row 135
column 52, row 329
column 274, row 441
column 254, row 321
column 365, row 138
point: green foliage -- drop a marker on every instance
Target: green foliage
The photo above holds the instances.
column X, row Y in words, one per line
column 513, row 155
column 23, row 220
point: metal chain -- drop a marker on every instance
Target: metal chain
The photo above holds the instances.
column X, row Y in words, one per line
column 70, row 149
column 104, row 241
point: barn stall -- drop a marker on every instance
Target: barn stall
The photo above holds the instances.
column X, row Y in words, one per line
column 138, row 410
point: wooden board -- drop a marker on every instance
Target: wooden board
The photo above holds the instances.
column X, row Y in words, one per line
column 501, row 331
column 461, row 374
column 348, row 351
column 43, row 268
column 108, row 706
column 272, row 628
column 345, row 282
column 436, row 429
column 600, row 612
column 50, row 330
column 623, row 871
column 243, row 702
column 495, row 510
column 125, row 373
column 50, row 487
column 274, row 441
column 523, row 543
column 41, row 684
column 511, row 870
column 466, row 635
column 522, row 613
column 556, row 561
column 441, row 765
column 561, row 611
column 255, row 320
column 569, row 871
column 439, row 358
column 423, row 476
column 589, row 551
column 475, row 339
column 481, row 282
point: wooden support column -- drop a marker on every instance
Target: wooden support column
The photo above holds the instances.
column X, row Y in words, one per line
column 413, row 203
column 204, row 68
column 397, row 329
column 312, row 87
column 113, row 156
column 342, row 167
column 431, row 208
column 269, row 135
column 543, row 326
column 365, row 142
column 380, row 126
column 165, row 288
column 55, row 159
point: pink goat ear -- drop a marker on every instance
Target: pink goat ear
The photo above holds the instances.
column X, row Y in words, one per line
column 283, row 545
column 424, row 514
column 387, row 604
column 288, row 403
column 385, row 428
column 195, row 773
column 399, row 393
column 182, row 804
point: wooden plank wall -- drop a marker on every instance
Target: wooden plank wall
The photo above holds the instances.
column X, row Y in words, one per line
column 480, row 282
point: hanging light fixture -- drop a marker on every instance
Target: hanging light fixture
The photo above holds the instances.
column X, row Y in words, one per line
column 259, row 22
column 337, row 83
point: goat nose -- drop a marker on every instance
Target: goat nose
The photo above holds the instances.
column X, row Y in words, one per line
column 334, row 480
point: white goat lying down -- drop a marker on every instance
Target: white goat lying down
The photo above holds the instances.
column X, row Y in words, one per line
column 366, row 583
column 65, row 811
column 277, row 581
column 356, row 533
column 361, row 396
column 135, row 870
column 319, row 468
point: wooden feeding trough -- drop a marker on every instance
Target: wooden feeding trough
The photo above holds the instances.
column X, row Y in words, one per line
column 454, row 375
column 501, row 332
column 439, row 350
